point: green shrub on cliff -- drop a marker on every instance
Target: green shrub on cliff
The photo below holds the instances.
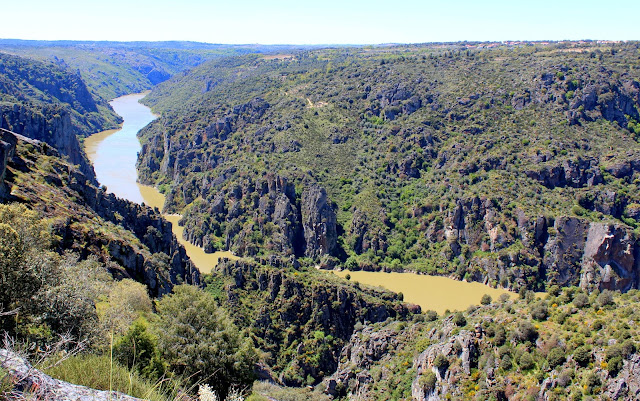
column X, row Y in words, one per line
column 199, row 342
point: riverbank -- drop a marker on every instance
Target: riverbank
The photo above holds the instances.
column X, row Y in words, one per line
column 113, row 154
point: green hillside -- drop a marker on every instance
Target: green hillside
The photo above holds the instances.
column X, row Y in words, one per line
column 485, row 163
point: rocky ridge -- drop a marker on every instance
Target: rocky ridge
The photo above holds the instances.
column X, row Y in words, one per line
column 481, row 165
column 301, row 318
column 133, row 240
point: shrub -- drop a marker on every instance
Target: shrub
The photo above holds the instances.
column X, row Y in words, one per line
column 581, row 300
column 556, row 357
column 582, row 355
column 431, row 315
column 198, row 340
column 540, row 312
column 459, row 319
column 441, row 362
column 138, row 350
column 526, row 361
column 526, row 332
column 500, row 336
column 614, row 365
column 605, row 298
column 505, row 363
column 486, row 299
column 427, row 381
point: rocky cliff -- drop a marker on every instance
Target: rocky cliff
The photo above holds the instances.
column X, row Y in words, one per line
column 132, row 240
column 50, row 124
column 259, row 213
column 520, row 251
column 301, row 318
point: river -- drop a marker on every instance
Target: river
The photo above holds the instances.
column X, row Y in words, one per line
column 114, row 153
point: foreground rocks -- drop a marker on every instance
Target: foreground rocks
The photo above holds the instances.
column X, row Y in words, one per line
column 28, row 382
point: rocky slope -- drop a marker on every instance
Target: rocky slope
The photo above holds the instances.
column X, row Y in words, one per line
column 299, row 318
column 558, row 349
column 43, row 102
column 133, row 241
column 511, row 166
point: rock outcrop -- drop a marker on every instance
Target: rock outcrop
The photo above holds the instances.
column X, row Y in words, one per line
column 264, row 211
column 365, row 348
column 155, row 258
column 30, row 383
column 318, row 222
column 51, row 125
column 302, row 313
column 463, row 346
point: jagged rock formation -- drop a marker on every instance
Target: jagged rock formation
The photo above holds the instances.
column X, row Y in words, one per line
column 133, row 240
column 564, row 251
column 295, row 315
column 262, row 212
column 30, row 382
column 364, row 349
column 49, row 124
column 318, row 222
column 471, row 164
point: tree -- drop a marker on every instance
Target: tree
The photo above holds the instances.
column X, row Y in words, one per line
column 486, row 299
column 199, row 341
column 137, row 349
column 459, row 320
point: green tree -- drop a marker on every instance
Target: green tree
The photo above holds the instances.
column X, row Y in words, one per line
column 137, row 349
column 199, row 341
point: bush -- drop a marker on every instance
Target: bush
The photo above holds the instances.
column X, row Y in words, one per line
column 526, row 332
column 526, row 361
column 427, row 381
column 540, row 312
column 459, row 319
column 500, row 336
column 581, row 300
column 198, row 340
column 582, row 355
column 614, row 365
column 431, row 315
column 441, row 362
column 556, row 357
column 486, row 299
column 506, row 363
column 605, row 298
column 138, row 350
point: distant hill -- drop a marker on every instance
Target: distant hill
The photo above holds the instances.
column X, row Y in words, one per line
column 113, row 69
column 42, row 101
column 510, row 165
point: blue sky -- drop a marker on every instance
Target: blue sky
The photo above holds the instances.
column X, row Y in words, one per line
column 320, row 22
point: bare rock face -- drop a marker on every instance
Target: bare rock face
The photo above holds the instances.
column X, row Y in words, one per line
column 30, row 382
column 609, row 260
column 52, row 126
column 318, row 222
column 626, row 386
column 464, row 346
column 7, row 148
column 364, row 349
